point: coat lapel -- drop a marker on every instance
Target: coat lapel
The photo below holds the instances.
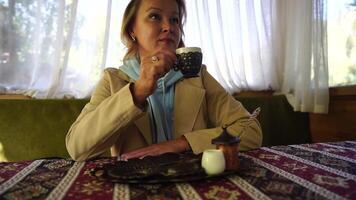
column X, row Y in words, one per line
column 189, row 95
column 143, row 124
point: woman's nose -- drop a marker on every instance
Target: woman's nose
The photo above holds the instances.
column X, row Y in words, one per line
column 167, row 26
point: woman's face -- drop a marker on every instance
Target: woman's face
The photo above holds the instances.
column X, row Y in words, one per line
column 156, row 26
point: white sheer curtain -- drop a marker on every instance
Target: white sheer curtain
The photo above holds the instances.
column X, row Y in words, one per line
column 236, row 40
column 300, row 44
column 265, row 44
column 58, row 48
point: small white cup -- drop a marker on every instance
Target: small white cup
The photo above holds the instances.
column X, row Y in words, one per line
column 213, row 161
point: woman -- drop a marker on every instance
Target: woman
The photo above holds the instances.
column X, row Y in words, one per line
column 145, row 107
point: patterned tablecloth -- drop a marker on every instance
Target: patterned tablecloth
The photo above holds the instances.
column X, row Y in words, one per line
column 309, row 171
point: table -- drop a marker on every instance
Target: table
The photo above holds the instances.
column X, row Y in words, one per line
column 307, row 171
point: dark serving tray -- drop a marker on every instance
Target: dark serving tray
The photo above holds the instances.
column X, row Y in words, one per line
column 168, row 167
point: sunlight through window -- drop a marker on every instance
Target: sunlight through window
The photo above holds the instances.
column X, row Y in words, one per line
column 342, row 42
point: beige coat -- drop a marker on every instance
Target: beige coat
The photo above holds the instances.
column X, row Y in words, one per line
column 201, row 107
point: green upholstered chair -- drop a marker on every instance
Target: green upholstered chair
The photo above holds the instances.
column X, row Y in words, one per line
column 280, row 124
column 32, row 129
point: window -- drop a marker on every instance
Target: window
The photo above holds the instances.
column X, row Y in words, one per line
column 342, row 42
column 53, row 48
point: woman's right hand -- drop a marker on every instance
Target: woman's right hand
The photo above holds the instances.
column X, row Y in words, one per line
column 151, row 71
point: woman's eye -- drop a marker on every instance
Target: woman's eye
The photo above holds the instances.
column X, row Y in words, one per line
column 175, row 20
column 154, row 16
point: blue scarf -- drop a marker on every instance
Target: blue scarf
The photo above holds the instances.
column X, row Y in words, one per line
column 160, row 102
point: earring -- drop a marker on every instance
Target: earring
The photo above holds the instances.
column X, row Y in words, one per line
column 133, row 38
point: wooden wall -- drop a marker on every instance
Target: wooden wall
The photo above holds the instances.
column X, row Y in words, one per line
column 340, row 123
column 13, row 96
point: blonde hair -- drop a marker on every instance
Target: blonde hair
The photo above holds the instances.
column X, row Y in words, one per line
column 128, row 22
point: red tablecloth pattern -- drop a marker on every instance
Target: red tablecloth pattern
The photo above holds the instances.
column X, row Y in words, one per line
column 307, row 171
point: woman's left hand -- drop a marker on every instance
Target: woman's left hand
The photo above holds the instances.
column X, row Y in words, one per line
column 176, row 146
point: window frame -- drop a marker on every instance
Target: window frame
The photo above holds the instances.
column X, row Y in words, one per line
column 338, row 91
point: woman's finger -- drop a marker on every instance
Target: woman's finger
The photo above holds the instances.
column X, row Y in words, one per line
column 140, row 153
column 177, row 145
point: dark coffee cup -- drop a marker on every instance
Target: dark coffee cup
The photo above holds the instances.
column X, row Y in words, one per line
column 189, row 61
